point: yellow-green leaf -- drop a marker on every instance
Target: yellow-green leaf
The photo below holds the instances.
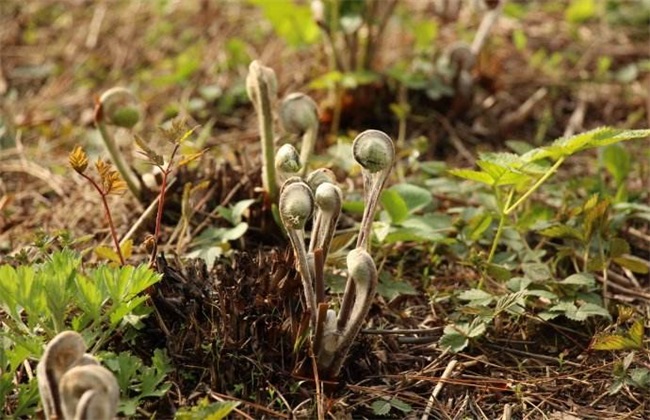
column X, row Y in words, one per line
column 107, row 253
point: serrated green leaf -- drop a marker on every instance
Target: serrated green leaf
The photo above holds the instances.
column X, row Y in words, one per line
column 589, row 309
column 580, row 279
column 517, row 284
column 476, row 297
column 632, row 340
column 389, row 288
column 380, row 407
column 498, row 272
column 453, row 340
column 473, row 175
column 401, row 405
column 502, row 175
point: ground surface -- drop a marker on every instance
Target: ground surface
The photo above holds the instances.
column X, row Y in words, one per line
column 230, row 329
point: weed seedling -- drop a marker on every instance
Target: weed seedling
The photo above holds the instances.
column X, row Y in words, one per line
column 110, row 183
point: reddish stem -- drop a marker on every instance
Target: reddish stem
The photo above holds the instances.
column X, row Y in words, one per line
column 161, row 204
column 108, row 216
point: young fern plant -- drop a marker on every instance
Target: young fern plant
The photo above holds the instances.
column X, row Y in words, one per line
column 72, row 383
column 299, row 116
column 334, row 334
column 118, row 106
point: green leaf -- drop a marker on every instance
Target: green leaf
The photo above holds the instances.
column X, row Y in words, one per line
column 107, row 253
column 476, row 297
column 537, row 272
column 453, row 340
column 580, row 11
column 587, row 310
column 632, row 340
column 562, row 231
column 401, row 405
column 580, row 279
column 395, row 206
column 618, row 247
column 478, row 225
column 380, row 407
column 473, row 175
column 632, row 263
column 416, row 198
column 205, row 410
column 389, row 288
column 617, row 161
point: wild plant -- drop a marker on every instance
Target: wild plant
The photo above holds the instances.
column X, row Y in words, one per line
column 109, row 183
column 299, row 116
column 42, row 300
column 513, row 179
column 332, row 335
column 72, row 383
column 118, row 106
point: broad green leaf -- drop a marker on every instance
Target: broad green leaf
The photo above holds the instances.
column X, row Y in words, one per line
column 617, row 161
column 390, row 288
column 589, row 309
column 498, row 272
column 401, row 405
column 291, row 21
column 394, row 205
column 502, row 175
column 415, row 197
column 633, row 263
column 517, row 284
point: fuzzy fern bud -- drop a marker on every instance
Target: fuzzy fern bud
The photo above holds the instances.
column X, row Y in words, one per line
column 287, row 159
column 298, row 113
column 119, row 107
column 296, row 205
column 373, row 150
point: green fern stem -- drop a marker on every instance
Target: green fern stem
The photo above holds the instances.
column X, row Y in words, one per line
column 117, row 158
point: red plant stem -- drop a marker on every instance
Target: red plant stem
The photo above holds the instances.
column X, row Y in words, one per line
column 161, row 204
column 108, row 216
